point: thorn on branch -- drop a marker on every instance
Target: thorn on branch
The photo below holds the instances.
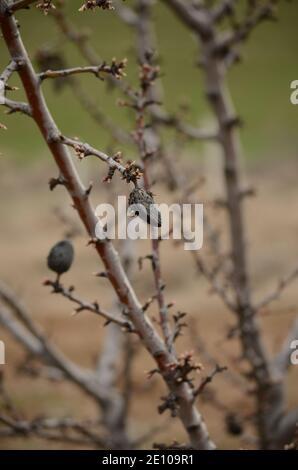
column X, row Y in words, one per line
column 233, row 121
column 152, row 372
column 118, row 159
column 102, row 274
column 83, row 305
column 92, row 241
column 170, row 402
column 53, row 182
column 89, row 189
column 178, row 324
column 247, row 192
column 149, row 302
column 218, row 370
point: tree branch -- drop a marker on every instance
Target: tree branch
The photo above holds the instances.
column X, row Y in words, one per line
column 188, row 413
column 14, row 106
column 208, row 379
column 85, row 150
column 83, row 305
column 287, row 428
column 197, row 20
column 69, row 429
column 126, row 13
column 41, row 347
column 220, row 102
column 277, row 292
column 116, row 70
column 100, row 116
column 91, row 56
column 20, row 5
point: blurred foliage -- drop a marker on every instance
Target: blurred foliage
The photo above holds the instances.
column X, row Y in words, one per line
column 260, row 84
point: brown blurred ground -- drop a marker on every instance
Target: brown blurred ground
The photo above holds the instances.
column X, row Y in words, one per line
column 29, row 227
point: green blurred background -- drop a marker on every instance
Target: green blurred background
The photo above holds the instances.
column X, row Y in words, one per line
column 260, row 84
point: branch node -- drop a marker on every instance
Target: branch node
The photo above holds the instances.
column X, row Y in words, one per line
column 53, row 182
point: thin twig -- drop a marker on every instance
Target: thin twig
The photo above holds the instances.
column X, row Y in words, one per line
column 43, row 428
column 116, row 70
column 278, row 291
column 89, row 53
column 83, row 305
column 208, row 379
column 188, row 413
column 99, row 115
column 14, row 106
column 20, row 5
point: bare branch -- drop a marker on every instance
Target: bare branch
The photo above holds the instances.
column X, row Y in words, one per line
column 197, row 20
column 219, row 289
column 223, row 9
column 32, row 339
column 148, row 75
column 278, row 291
column 184, row 128
column 208, row 379
column 230, row 376
column 41, row 347
column 151, row 433
column 10, row 298
column 20, row 5
column 83, row 305
column 28, row 341
column 216, row 90
column 126, row 13
column 7, row 73
column 287, row 428
column 99, row 115
column 90, row 55
column 14, row 106
column 111, row 401
column 188, row 413
column 116, row 70
column 130, row 172
column 69, row 429
column 85, row 150
column 114, row 413
column 243, row 30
